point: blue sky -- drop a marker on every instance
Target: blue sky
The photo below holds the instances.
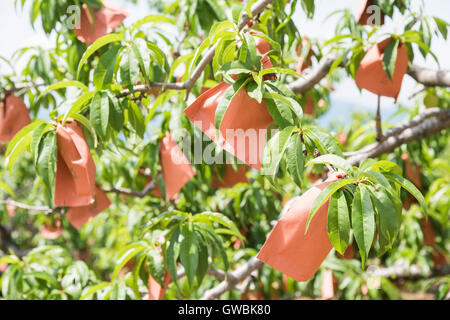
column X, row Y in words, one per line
column 16, row 32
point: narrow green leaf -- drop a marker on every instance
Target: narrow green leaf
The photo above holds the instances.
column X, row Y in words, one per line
column 363, row 221
column 100, row 42
column 294, row 159
column 324, row 195
column 338, row 223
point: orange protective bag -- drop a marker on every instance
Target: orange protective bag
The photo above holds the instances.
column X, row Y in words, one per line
column 327, row 288
column 349, row 253
column 262, row 46
column 75, row 170
column 155, row 292
column 371, row 75
column 105, row 21
column 78, row 216
column 362, row 15
column 309, row 107
column 303, row 62
column 50, row 232
column 243, row 113
column 230, row 177
column 176, row 169
column 288, row 249
column 14, row 116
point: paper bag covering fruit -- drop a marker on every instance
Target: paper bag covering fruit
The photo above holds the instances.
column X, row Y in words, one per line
column 78, row 216
column 105, row 20
column 155, row 292
column 303, row 62
column 327, row 288
column 230, row 177
column 291, row 251
column 14, row 116
column 363, row 16
column 243, row 128
column 51, row 232
column 372, row 76
column 176, row 169
column 75, row 168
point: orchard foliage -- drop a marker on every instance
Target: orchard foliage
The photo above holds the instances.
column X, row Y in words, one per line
column 129, row 88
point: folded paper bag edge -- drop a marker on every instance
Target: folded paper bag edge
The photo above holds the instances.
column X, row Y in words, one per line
column 273, row 255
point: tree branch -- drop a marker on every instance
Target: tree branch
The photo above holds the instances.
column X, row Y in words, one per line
column 397, row 272
column 238, row 275
column 411, row 131
column 428, row 77
column 257, row 8
column 317, row 74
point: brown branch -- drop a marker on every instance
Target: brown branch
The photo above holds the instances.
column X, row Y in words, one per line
column 317, row 74
column 140, row 194
column 429, row 77
column 238, row 275
column 408, row 273
column 257, row 8
column 27, row 206
column 414, row 130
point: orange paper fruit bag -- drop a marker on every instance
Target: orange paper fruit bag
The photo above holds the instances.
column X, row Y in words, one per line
column 155, row 292
column 303, row 62
column 75, row 169
column 371, row 75
column 327, row 285
column 291, row 251
column 105, row 20
column 78, row 216
column 243, row 128
column 14, row 116
column 176, row 169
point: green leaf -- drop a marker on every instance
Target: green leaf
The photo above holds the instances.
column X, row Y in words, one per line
column 129, row 69
column 136, row 118
column 308, row 7
column 334, row 160
column 142, row 54
column 323, row 140
column 338, row 223
column 99, row 113
column 410, row 187
column 126, row 255
column 64, row 84
column 390, row 57
column 219, row 218
column 116, row 117
column 36, row 137
column 47, row 162
column 388, row 218
column 294, row 159
column 189, row 252
column 103, row 73
column 100, row 42
column 203, row 263
column 78, row 105
column 20, row 143
column 324, row 195
column 363, row 221
column 85, row 122
column 154, row 18
column 171, row 255
column 293, row 105
column 274, row 151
